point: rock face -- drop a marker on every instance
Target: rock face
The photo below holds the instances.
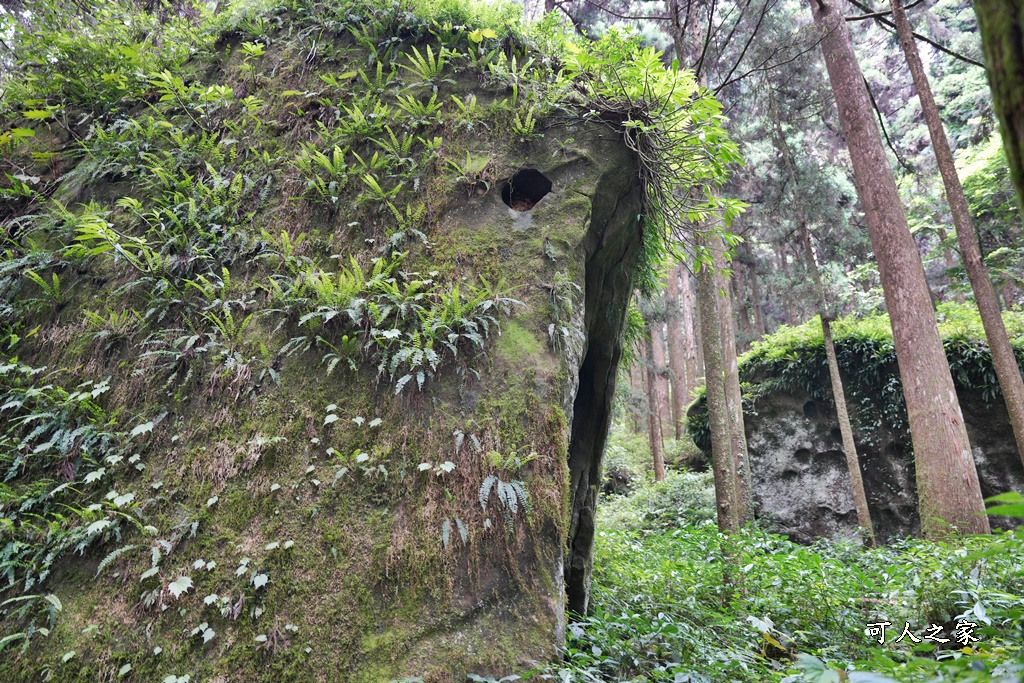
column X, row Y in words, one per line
column 801, row 482
column 316, row 504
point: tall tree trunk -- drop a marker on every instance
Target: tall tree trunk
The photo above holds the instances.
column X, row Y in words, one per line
column 1009, row 293
column 718, row 406
column 653, row 412
column 1001, row 24
column 698, row 336
column 860, row 498
column 787, row 301
column 743, row 488
column 676, row 353
column 1003, row 358
column 691, row 344
column 950, row 261
column 755, row 291
column 947, row 480
column 742, row 306
column 636, row 385
column 661, row 374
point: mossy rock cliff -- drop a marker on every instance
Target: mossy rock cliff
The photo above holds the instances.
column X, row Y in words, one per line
column 801, row 481
column 311, row 316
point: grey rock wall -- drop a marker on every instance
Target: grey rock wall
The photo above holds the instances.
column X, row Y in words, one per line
column 801, row 483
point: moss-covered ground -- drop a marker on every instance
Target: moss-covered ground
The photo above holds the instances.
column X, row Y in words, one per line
column 674, row 600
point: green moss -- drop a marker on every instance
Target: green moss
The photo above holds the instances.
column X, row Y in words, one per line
column 793, row 360
column 374, row 593
column 517, row 345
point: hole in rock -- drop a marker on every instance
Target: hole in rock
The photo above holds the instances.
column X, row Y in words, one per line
column 802, row 455
column 811, row 409
column 789, row 475
column 836, row 434
column 523, row 190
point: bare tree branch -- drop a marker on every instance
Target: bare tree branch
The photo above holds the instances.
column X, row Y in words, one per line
column 883, row 13
column 941, row 48
column 881, row 122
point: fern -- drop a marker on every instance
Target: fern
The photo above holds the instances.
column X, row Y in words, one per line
column 485, row 490
column 113, row 555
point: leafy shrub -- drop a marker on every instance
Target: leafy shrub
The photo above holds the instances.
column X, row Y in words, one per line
column 675, row 600
column 683, row 499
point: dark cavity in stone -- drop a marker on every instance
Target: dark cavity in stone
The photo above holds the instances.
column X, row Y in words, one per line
column 524, row 189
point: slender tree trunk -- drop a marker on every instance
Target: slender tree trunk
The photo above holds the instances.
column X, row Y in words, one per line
column 947, row 481
column 718, row 406
column 755, row 292
column 860, row 498
column 1009, row 293
column 787, row 302
column 661, row 374
column 636, row 386
column 698, row 336
column 1001, row 24
column 690, row 345
column 733, row 393
column 676, row 354
column 1003, row 358
column 950, row 261
column 742, row 305
column 653, row 412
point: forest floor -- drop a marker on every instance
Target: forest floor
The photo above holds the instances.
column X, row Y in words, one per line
column 673, row 600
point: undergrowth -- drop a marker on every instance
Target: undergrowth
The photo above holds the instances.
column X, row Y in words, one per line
column 675, row 600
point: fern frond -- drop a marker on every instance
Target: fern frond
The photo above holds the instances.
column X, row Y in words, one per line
column 485, row 490
column 113, row 555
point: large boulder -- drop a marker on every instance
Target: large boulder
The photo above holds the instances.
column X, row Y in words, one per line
column 801, row 480
column 324, row 387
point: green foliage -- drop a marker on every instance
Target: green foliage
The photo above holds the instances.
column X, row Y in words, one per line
column 426, row 67
column 682, row 500
column 793, row 359
column 62, row 457
column 147, row 207
column 662, row 609
column 512, row 495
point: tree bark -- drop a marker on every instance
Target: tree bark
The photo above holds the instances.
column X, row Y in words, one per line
column 1001, row 24
column 947, row 480
column 950, row 261
column 1003, row 358
column 755, row 291
column 636, row 386
column 860, row 498
column 690, row 325
column 742, row 306
column 733, row 394
column 718, row 407
column 787, row 302
column 676, row 354
column 698, row 336
column 661, row 374
column 653, row 413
